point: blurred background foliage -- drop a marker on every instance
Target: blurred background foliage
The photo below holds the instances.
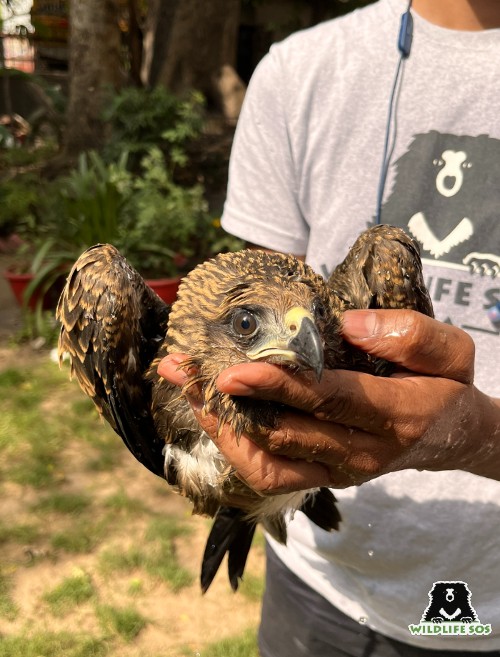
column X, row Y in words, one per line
column 116, row 122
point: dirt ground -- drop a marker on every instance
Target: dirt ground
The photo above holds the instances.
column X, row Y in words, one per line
column 184, row 618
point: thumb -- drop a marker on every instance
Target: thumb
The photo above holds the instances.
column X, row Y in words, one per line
column 413, row 341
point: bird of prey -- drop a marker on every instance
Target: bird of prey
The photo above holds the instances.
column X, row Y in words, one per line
column 236, row 308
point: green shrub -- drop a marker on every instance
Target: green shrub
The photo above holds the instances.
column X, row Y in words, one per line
column 142, row 118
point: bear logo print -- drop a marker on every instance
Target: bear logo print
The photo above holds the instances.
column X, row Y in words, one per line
column 450, row 613
column 446, row 194
column 449, row 601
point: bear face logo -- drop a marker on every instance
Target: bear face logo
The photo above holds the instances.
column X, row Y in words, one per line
column 449, row 602
column 446, row 194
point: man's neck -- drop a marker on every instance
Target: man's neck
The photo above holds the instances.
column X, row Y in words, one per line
column 471, row 15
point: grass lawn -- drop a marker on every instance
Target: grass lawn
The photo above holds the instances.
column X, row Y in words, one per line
column 98, row 557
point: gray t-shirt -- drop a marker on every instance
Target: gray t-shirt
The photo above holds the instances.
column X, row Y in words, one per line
column 303, row 179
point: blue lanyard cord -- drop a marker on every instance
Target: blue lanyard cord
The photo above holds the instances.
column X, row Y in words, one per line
column 404, row 46
column 390, row 139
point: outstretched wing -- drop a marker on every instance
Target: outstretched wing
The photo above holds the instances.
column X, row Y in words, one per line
column 382, row 270
column 112, row 325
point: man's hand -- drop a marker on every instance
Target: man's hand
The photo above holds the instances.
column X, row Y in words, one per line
column 352, row 427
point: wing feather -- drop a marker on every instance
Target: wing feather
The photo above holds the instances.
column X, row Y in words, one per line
column 112, row 324
column 382, row 270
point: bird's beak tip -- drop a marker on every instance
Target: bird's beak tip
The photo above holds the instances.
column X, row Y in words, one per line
column 318, row 371
column 309, row 347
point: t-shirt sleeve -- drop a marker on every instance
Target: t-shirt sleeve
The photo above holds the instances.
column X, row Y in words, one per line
column 261, row 205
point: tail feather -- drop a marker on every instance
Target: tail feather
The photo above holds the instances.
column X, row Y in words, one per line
column 321, row 508
column 238, row 552
column 231, row 532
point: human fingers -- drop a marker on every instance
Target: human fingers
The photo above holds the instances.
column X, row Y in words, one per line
column 264, row 472
column 387, row 406
column 332, row 400
column 285, row 463
column 349, row 398
column 413, row 340
column 428, row 434
column 170, row 368
column 303, row 451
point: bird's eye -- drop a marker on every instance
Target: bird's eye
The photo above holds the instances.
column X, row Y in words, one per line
column 244, row 323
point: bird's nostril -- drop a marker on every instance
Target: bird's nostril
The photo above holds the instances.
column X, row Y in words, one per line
column 293, row 327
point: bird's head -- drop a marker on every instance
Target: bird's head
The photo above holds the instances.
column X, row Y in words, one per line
column 254, row 306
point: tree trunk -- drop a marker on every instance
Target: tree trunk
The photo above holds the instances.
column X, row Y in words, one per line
column 134, row 42
column 94, row 68
column 188, row 43
column 159, row 21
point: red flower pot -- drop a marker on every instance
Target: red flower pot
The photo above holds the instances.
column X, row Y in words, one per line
column 165, row 288
column 18, row 284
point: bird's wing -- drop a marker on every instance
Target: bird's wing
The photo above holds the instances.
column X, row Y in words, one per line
column 112, row 325
column 382, row 270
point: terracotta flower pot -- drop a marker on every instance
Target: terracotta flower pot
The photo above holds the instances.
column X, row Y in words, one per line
column 18, row 284
column 165, row 288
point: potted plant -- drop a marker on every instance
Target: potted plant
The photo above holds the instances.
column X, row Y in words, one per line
column 159, row 234
column 37, row 279
column 77, row 210
column 135, row 195
column 24, row 201
column 161, row 227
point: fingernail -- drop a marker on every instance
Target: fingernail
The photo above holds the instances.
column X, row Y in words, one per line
column 360, row 323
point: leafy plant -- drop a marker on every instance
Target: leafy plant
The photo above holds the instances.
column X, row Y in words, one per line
column 162, row 227
column 93, row 197
column 142, row 118
column 18, row 197
column 84, row 209
column 163, row 220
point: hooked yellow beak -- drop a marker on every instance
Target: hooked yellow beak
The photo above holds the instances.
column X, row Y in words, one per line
column 298, row 341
